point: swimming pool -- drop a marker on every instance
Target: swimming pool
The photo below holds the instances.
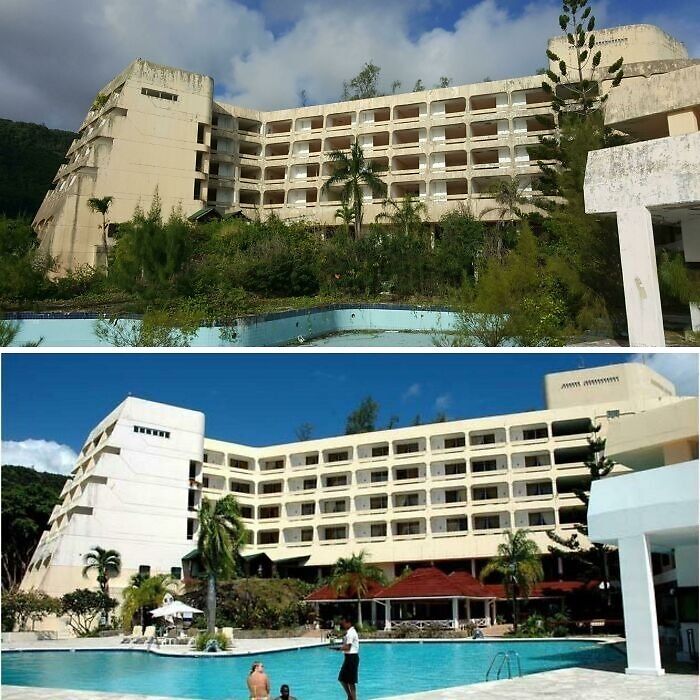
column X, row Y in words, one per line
column 385, row 668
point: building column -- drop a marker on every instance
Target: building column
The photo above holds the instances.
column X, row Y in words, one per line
column 469, row 609
column 640, row 278
column 374, row 613
column 387, row 616
column 455, row 613
column 473, row 564
column 639, row 605
column 487, row 610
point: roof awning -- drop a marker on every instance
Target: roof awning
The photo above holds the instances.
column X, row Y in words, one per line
column 206, row 214
column 191, row 555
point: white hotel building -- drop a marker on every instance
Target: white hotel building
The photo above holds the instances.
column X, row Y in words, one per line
column 441, row 494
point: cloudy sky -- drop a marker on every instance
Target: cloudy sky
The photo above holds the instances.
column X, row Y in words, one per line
column 259, row 399
column 55, row 55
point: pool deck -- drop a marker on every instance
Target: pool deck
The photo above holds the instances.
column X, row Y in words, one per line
column 571, row 683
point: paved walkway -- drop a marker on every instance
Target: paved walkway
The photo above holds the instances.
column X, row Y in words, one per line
column 570, row 683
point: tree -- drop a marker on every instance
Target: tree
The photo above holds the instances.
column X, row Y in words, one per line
column 20, row 607
column 593, row 561
column 364, row 85
column 9, row 330
column 144, row 594
column 395, row 86
column 303, row 98
column 83, row 606
column 575, row 85
column 353, row 577
column 353, row 172
column 304, row 432
column 346, row 214
column 364, row 418
column 444, row 82
column 101, row 205
column 418, row 86
column 28, row 497
column 405, row 215
column 519, row 565
column 107, row 563
column 221, row 536
column 163, row 328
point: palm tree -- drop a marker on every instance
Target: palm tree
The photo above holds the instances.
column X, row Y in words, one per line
column 346, row 214
column 406, row 214
column 9, row 330
column 145, row 593
column 519, row 563
column 106, row 562
column 353, row 171
column 221, row 536
column 353, row 577
column 101, row 205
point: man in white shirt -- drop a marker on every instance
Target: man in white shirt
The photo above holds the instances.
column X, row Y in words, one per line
column 351, row 648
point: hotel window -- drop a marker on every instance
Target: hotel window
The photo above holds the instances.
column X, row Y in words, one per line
column 335, row 533
column 239, row 487
column 309, row 484
column 332, row 481
column 455, row 496
column 485, row 493
column 456, row 524
column 410, row 528
column 151, row 431
column 543, row 488
column 159, row 94
column 311, row 459
column 190, row 529
column 535, row 433
column 275, row 487
column 407, row 448
column 247, row 512
column 269, row 537
column 536, row 519
column 269, row 512
column 455, row 468
column 378, row 502
column 451, row 443
column 205, row 482
column 410, row 473
column 273, row 464
column 488, row 439
column 406, row 500
column 613, row 414
column 379, row 477
column 307, row 534
column 377, row 530
column 487, row 522
column 193, row 469
column 200, row 133
column 337, row 457
column 336, row 507
column 176, row 572
column 485, row 465
column 308, row 508
column 238, row 463
column 537, row 460
column 380, row 451
column 144, row 570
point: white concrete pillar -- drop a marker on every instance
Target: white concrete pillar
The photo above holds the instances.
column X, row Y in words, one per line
column 473, row 565
column 640, row 278
column 469, row 609
column 455, row 613
column 487, row 609
column 374, row 613
column 639, row 604
column 387, row 616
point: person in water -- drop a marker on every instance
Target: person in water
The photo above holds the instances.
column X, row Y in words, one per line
column 351, row 662
column 258, row 682
column 284, row 693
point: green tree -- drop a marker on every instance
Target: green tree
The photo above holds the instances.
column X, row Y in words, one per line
column 406, row 214
column 444, row 82
column 9, row 330
column 144, row 594
column 106, row 563
column 304, row 432
column 418, row 86
column 221, row 536
column 83, row 606
column 346, row 214
column 364, row 85
column 364, row 418
column 353, row 577
column 574, row 84
column 519, row 564
column 101, row 205
column 352, row 171
column 460, row 240
column 21, row 607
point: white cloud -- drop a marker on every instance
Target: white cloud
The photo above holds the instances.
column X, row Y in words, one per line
column 412, row 391
column 42, row 455
column 679, row 368
column 443, row 402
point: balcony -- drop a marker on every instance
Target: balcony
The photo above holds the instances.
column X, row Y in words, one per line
column 380, row 115
column 306, row 149
column 449, row 161
column 307, row 124
column 482, row 104
column 273, row 199
column 531, row 461
column 407, row 165
column 489, row 523
column 279, row 128
column 449, row 109
column 249, row 126
column 307, row 197
column 411, row 112
column 341, row 120
column 277, row 151
column 408, row 138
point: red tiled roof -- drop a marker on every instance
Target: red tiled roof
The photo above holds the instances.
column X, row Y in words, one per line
column 471, row 587
column 328, row 593
column 427, row 582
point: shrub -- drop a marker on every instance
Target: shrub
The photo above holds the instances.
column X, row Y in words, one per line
column 204, row 639
column 20, row 607
column 83, row 607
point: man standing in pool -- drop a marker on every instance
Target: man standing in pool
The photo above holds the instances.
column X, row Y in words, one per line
column 351, row 649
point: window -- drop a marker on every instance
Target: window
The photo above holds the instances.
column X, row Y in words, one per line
column 336, row 507
column 191, row 496
column 144, row 570
column 274, row 487
column 270, row 537
column 193, row 469
column 332, row 481
column 456, row 524
column 613, row 414
column 536, row 460
column 378, row 502
column 238, row 463
column 307, row 534
column 487, row 522
column 410, row 473
column 159, row 94
column 485, row 493
column 407, row 448
column 205, row 482
column 335, row 533
column 190, row 529
column 273, row 464
column 409, row 528
column 151, row 431
column 380, row 451
column 239, row 487
column 337, row 457
column 406, row 500
column 308, row 508
column 379, row 477
column 309, row 484
column 451, row 443
column 269, row 512
column 541, row 488
column 454, row 496
column 536, row 519
column 311, row 459
column 247, row 512
column 377, row 530
column 485, row 465
column 535, row 434
column 455, row 468
column 176, row 572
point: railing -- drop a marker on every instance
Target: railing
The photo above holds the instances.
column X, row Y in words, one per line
column 422, row 624
column 503, row 659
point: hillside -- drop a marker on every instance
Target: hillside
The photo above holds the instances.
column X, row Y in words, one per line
column 28, row 497
column 29, row 158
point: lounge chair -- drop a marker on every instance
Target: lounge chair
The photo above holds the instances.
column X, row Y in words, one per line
column 149, row 635
column 228, row 633
column 135, row 634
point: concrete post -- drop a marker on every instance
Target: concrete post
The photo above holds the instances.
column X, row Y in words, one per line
column 455, row 613
column 639, row 604
column 487, row 609
column 387, row 617
column 374, row 613
column 469, row 609
column 640, row 278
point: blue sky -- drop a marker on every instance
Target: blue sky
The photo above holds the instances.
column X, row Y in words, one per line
column 55, row 56
column 261, row 398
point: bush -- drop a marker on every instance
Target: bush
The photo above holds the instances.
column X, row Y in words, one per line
column 204, row 640
column 20, row 607
column 83, row 607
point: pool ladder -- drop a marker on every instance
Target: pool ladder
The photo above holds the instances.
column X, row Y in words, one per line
column 505, row 658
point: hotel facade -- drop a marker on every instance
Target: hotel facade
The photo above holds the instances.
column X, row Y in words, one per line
column 441, row 494
column 155, row 127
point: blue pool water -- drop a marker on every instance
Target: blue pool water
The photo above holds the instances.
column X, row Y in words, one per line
column 385, row 668
column 387, row 326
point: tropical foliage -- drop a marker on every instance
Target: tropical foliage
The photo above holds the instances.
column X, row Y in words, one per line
column 144, row 594
column 353, row 576
column 106, row 563
column 19, row 608
column 83, row 607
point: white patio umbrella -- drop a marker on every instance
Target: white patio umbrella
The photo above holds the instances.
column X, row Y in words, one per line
column 177, row 607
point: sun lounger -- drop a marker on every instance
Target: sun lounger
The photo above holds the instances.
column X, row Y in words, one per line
column 149, row 635
column 228, row 633
column 135, row 634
